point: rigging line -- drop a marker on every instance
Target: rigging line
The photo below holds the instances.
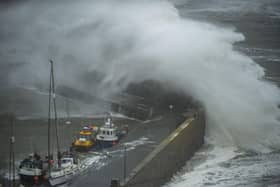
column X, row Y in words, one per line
column 49, row 122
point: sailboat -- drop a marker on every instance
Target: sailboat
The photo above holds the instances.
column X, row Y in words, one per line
column 66, row 165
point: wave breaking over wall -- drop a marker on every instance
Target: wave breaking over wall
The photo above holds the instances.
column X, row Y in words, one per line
column 132, row 41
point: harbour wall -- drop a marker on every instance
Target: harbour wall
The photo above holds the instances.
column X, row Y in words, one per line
column 170, row 156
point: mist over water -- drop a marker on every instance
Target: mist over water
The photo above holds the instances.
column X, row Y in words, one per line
column 132, row 41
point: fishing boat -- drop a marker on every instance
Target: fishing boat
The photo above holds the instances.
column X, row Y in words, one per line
column 31, row 169
column 86, row 139
column 62, row 171
column 109, row 135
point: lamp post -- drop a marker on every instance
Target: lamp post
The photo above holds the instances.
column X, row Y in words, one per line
column 124, row 161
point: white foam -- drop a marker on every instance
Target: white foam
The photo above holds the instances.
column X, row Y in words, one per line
column 153, row 120
column 96, row 161
column 141, row 141
column 227, row 167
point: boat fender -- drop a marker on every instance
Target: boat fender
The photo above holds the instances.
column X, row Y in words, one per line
column 51, row 162
column 36, row 179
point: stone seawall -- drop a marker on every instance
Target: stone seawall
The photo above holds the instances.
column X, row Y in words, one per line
column 170, row 156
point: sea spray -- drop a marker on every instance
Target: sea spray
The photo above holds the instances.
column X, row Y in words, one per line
column 133, row 41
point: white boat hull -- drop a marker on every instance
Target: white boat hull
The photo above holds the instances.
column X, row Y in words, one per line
column 28, row 175
column 62, row 176
column 59, row 180
column 30, row 172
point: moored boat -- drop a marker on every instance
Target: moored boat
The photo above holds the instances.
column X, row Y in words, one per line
column 31, row 169
column 86, row 139
column 64, row 172
column 108, row 135
column 65, row 166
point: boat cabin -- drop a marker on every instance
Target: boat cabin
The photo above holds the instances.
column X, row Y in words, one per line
column 85, row 135
column 67, row 162
column 107, row 131
column 33, row 161
column 86, row 139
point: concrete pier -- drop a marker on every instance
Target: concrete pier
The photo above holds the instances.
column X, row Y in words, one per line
column 170, row 156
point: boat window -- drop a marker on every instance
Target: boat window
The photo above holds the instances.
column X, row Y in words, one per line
column 64, row 161
column 108, row 133
column 83, row 136
column 28, row 164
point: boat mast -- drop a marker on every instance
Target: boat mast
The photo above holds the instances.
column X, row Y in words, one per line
column 12, row 168
column 49, row 122
column 55, row 116
column 13, row 140
column 52, row 97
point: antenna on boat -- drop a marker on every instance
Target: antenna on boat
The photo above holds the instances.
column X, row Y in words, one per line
column 108, row 120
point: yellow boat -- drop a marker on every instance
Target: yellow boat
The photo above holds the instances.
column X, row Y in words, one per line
column 86, row 139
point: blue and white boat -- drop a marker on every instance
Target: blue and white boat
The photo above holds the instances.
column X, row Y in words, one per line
column 108, row 134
